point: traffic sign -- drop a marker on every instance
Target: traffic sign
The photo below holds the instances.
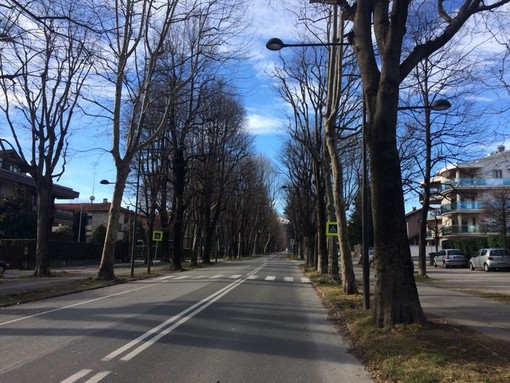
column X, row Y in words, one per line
column 157, row 235
column 331, row 228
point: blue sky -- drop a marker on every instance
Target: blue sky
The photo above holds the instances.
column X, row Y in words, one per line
column 87, row 164
column 265, row 113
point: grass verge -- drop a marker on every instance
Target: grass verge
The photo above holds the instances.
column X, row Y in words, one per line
column 436, row 353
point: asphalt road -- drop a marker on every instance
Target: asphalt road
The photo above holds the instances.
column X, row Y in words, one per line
column 251, row 321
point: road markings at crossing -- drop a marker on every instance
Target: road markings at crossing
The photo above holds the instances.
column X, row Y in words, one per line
column 270, row 278
column 288, row 279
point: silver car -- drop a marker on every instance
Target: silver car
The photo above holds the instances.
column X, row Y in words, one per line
column 490, row 259
column 449, row 258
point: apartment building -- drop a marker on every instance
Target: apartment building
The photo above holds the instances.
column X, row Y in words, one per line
column 459, row 193
column 14, row 177
column 97, row 215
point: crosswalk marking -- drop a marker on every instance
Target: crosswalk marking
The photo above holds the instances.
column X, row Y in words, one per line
column 237, row 276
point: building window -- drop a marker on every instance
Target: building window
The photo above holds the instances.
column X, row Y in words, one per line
column 497, row 173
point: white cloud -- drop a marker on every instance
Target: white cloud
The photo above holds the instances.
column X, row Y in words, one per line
column 259, row 125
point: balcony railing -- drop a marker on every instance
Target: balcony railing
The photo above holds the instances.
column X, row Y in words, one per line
column 433, row 214
column 463, row 229
column 462, row 205
column 474, row 182
column 469, row 229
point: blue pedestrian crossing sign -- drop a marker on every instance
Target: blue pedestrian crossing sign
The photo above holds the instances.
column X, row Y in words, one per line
column 331, row 228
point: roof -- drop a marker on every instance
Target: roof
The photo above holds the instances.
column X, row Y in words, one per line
column 59, row 192
column 89, row 207
column 413, row 212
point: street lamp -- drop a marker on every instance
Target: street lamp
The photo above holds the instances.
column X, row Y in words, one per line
column 133, row 242
column 437, row 105
column 275, row 44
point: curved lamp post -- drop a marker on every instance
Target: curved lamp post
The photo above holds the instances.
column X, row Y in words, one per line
column 437, row 105
column 275, row 44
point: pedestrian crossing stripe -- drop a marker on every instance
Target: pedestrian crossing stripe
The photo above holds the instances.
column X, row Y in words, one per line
column 251, row 277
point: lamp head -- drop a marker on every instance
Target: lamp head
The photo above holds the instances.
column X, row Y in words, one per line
column 274, row 44
column 440, row 104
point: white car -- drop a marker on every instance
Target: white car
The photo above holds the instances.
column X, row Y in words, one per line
column 450, row 258
column 490, row 259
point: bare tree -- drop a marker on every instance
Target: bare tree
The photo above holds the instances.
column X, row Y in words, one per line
column 431, row 138
column 337, row 90
column 138, row 40
column 301, row 84
column 300, row 196
column 43, row 69
column 496, row 206
column 137, row 43
column 383, row 67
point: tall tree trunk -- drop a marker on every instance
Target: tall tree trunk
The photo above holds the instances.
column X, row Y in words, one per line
column 395, row 294
column 106, row 267
column 44, row 220
column 179, row 173
column 422, row 256
column 322, row 245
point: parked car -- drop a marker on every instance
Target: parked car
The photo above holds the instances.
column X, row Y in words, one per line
column 490, row 259
column 3, row 266
column 450, row 258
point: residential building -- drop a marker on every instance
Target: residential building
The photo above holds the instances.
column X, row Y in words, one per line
column 97, row 215
column 459, row 193
column 413, row 219
column 13, row 176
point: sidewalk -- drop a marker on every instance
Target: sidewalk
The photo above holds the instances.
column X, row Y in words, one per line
column 485, row 316
column 22, row 281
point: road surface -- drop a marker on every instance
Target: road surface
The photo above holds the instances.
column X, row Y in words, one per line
column 251, row 321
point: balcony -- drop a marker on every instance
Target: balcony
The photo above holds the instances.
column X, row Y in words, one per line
column 474, row 183
column 463, row 229
column 469, row 229
column 465, row 206
column 433, row 214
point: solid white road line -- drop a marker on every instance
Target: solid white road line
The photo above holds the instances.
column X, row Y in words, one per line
column 78, row 375
column 175, row 318
column 74, row 305
column 98, row 377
